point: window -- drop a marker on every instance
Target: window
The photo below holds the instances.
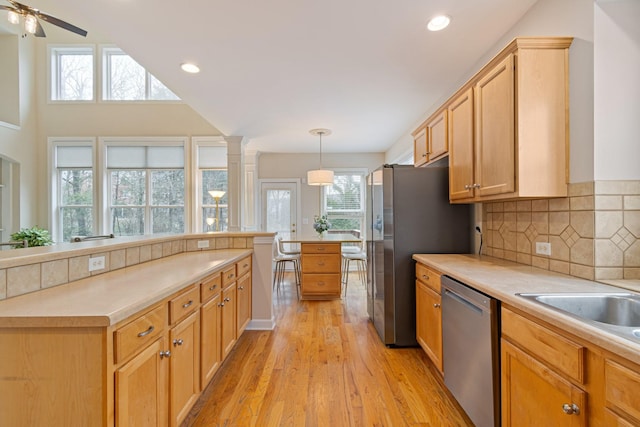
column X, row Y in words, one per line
column 146, row 189
column 72, row 73
column 344, row 200
column 212, row 167
column 126, row 80
column 75, row 195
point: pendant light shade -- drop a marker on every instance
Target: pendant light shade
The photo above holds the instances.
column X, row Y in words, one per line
column 320, row 176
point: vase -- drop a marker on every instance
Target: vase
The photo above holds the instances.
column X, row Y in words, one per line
column 320, row 234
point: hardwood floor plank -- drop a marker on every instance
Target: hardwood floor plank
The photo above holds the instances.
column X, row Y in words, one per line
column 324, row 365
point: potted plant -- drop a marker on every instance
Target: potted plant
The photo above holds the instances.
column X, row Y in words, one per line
column 321, row 224
column 34, row 236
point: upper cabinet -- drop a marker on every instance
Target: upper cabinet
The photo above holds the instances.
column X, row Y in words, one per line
column 430, row 141
column 507, row 128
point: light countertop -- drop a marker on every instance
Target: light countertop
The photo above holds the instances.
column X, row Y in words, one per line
column 503, row 279
column 108, row 298
column 326, row 238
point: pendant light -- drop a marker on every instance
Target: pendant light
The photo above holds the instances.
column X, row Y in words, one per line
column 320, row 176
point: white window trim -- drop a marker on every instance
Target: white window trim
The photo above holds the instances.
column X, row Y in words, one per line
column 196, row 177
column 348, row 171
column 52, row 173
column 104, row 81
column 50, row 72
column 104, row 142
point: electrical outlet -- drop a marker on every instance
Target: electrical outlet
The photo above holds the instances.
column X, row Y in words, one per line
column 543, row 248
column 203, row 244
column 96, row 263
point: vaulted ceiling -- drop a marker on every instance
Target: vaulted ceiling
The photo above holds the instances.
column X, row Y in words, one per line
column 271, row 70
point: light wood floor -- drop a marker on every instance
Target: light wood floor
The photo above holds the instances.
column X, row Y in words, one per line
column 324, row 365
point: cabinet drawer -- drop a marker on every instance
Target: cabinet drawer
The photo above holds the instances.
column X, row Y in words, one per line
column 228, row 275
column 321, row 248
column 136, row 334
column 429, row 277
column 243, row 266
column 566, row 356
column 184, row 304
column 321, row 284
column 321, row 263
column 210, row 286
column 622, row 389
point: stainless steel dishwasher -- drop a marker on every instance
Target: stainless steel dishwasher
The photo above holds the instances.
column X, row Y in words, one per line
column 471, row 357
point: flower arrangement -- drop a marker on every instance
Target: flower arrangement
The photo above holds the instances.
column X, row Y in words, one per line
column 321, row 224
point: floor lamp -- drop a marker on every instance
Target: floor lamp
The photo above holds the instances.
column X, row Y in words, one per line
column 217, row 195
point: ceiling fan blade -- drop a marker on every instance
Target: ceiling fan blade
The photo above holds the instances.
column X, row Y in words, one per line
column 60, row 23
column 7, row 8
column 39, row 30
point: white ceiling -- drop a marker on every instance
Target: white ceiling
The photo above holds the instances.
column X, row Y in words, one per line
column 271, row 70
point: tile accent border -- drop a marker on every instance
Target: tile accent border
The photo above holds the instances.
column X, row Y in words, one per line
column 44, row 269
column 594, row 232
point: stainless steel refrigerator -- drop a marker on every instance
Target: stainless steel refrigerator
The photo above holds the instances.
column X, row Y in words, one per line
column 408, row 211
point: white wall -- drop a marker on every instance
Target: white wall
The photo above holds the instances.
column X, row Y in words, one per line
column 550, row 18
column 278, row 165
column 617, row 90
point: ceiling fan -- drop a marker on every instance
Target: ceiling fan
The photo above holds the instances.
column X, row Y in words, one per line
column 31, row 22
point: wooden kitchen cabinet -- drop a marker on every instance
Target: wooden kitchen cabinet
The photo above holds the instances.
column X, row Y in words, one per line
column 429, row 313
column 210, row 327
column 229, row 318
column 184, row 367
column 517, row 146
column 430, row 141
column 244, row 303
column 141, row 388
column 321, row 270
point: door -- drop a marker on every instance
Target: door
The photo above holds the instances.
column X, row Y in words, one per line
column 279, row 205
column 461, row 177
column 184, row 372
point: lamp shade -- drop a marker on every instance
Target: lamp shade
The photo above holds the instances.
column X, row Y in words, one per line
column 216, row 194
column 320, row 177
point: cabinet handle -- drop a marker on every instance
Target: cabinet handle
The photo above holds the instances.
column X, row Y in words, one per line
column 221, row 304
column 240, row 288
column 164, row 354
column 230, row 276
column 425, row 277
column 571, row 409
column 320, row 248
column 467, row 187
column 475, row 186
column 227, row 299
column 320, row 283
column 147, row 332
column 187, row 304
column 436, row 305
column 247, row 265
column 424, row 154
column 178, row 342
column 211, row 288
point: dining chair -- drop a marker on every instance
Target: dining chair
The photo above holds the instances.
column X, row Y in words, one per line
column 280, row 260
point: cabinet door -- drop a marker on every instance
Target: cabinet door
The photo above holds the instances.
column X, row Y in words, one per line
column 495, row 130
column 420, row 147
column 244, row 303
column 533, row 395
column 184, row 375
column 229, row 329
column 460, row 135
column 210, row 336
column 437, row 144
column 141, row 388
column 429, row 323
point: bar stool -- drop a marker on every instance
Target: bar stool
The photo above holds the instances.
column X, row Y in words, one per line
column 359, row 256
column 280, row 260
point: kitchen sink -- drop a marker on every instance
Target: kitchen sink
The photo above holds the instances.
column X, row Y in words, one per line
column 616, row 312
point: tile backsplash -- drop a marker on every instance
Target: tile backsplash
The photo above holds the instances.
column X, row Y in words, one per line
column 594, row 232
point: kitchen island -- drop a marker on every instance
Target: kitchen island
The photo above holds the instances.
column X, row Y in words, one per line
column 555, row 368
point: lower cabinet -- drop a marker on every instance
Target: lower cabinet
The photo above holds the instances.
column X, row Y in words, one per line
column 429, row 313
column 210, row 338
column 244, row 303
column 229, row 310
column 321, row 270
column 141, row 388
column 184, row 367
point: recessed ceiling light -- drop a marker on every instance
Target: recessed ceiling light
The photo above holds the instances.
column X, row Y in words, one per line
column 438, row 23
column 190, row 68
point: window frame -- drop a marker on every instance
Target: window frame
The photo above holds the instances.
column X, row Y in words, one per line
column 55, row 193
column 105, row 142
column 106, row 51
column 197, row 191
column 349, row 213
column 53, row 71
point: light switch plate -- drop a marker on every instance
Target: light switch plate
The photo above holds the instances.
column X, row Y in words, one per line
column 543, row 248
column 96, row 263
column 203, row 244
